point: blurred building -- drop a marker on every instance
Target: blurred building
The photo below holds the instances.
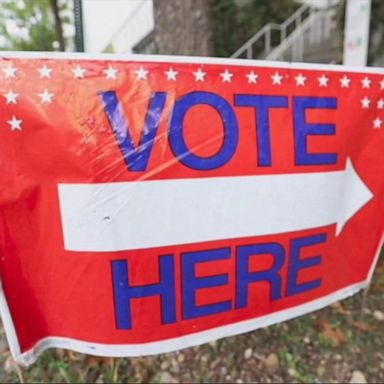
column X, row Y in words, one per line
column 185, row 27
column 116, row 25
column 147, row 26
column 156, row 26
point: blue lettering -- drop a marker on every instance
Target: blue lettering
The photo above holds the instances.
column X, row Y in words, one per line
column 124, row 292
column 262, row 104
column 297, row 264
column 245, row 277
column 191, row 283
column 304, row 129
column 230, row 136
column 136, row 158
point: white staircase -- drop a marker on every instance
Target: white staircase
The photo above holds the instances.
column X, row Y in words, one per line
column 307, row 35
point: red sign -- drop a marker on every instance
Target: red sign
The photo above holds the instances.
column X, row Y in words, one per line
column 154, row 203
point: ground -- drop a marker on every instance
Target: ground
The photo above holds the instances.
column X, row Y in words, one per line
column 341, row 343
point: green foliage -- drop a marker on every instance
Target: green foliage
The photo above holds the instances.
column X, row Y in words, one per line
column 29, row 25
column 225, row 33
column 234, row 22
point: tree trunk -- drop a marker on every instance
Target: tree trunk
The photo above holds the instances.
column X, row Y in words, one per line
column 183, row 27
column 58, row 25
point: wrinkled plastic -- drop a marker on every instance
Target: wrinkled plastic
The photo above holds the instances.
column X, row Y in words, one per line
column 149, row 203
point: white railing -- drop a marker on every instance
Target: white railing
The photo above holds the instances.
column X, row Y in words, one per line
column 264, row 35
column 308, row 35
column 307, row 25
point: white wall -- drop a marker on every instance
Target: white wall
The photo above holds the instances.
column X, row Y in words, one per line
column 123, row 23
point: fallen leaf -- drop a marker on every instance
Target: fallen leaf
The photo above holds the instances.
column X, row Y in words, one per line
column 340, row 309
column 336, row 335
column 358, row 378
column 11, row 365
column 378, row 315
column 73, row 356
column 272, row 363
column 362, row 326
column 93, row 361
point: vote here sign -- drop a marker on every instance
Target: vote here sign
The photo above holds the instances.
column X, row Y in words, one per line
column 149, row 203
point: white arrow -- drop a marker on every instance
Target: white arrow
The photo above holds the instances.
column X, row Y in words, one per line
column 144, row 214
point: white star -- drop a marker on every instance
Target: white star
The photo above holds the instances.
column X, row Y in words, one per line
column 380, row 104
column 323, row 81
column 199, row 75
column 78, row 72
column 226, row 76
column 345, row 81
column 10, row 71
column 382, row 84
column 300, row 80
column 111, row 73
column 377, row 123
column 141, row 73
column 365, row 102
column 15, row 124
column 45, row 71
column 46, row 97
column 171, row 74
column 252, row 77
column 11, row 97
column 276, row 78
column 366, row 82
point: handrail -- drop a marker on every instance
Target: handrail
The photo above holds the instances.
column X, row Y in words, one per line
column 299, row 12
column 317, row 25
column 285, row 44
column 265, row 32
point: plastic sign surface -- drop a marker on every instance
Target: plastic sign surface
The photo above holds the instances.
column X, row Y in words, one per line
column 149, row 203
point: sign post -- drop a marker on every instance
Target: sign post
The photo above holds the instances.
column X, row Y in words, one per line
column 356, row 32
